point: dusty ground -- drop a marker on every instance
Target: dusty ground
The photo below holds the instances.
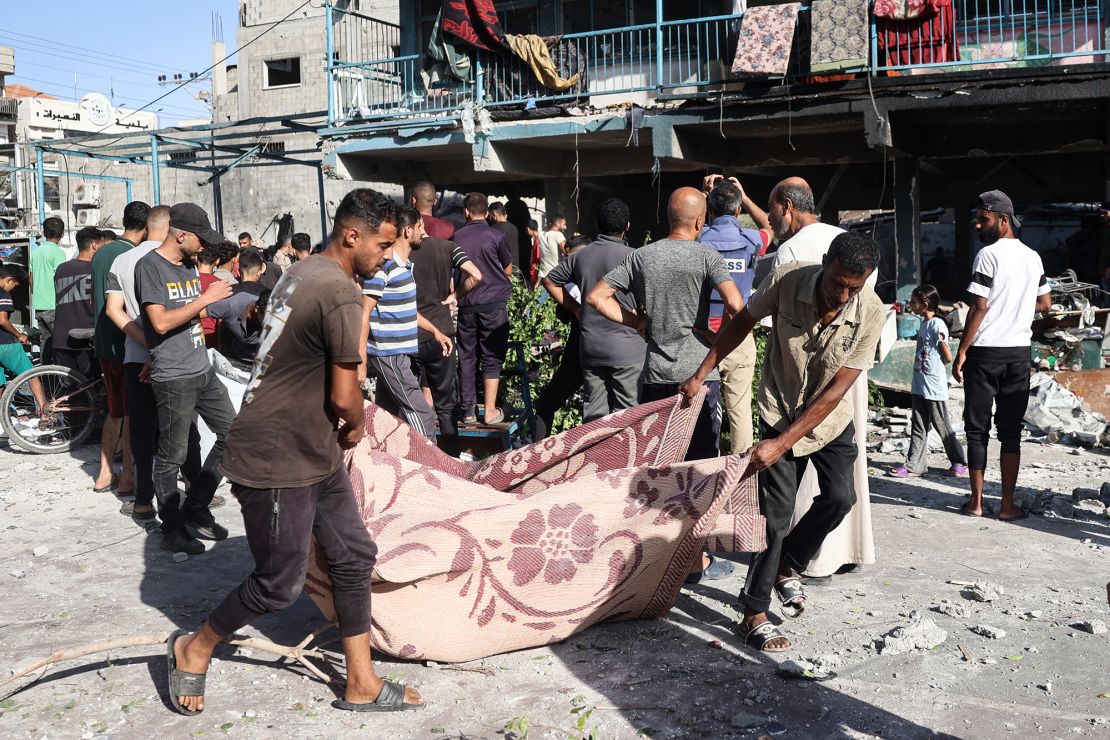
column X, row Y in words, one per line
column 684, row 676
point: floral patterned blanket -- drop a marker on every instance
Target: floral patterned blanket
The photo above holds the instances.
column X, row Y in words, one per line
column 527, row 547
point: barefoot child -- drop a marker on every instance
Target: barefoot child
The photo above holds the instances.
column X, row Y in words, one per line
column 930, row 390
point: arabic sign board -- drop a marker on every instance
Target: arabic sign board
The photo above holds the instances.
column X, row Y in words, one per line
column 93, row 113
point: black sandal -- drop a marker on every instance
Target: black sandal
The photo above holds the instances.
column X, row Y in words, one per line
column 182, row 683
column 761, row 634
column 390, row 699
column 792, row 596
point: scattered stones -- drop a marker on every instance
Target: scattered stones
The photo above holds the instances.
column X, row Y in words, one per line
column 1030, row 616
column 745, row 721
column 1092, row 506
column 922, row 635
column 1046, row 687
column 913, row 514
column 991, row 633
column 1092, row 626
column 952, row 609
column 823, row 666
column 39, row 551
column 17, row 573
column 180, row 557
column 984, row 591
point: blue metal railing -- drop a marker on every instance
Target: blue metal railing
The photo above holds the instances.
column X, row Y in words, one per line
column 685, row 58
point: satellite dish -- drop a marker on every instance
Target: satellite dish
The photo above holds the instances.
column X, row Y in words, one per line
column 98, row 109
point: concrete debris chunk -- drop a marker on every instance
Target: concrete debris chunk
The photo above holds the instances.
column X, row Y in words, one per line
column 745, row 721
column 992, row 633
column 1092, row 626
column 952, row 609
column 984, row 591
column 923, row 635
column 39, row 551
column 17, row 573
column 1090, row 505
column 180, row 557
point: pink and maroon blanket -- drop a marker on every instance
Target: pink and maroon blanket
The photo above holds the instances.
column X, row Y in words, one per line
column 527, row 547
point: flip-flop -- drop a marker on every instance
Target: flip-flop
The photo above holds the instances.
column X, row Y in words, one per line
column 965, row 512
column 497, row 418
column 1023, row 515
column 181, row 683
column 761, row 634
column 390, row 699
column 792, row 596
column 110, row 487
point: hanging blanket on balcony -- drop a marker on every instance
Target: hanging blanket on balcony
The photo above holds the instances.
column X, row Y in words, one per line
column 474, row 22
column 528, row 547
column 766, row 40
column 507, row 78
column 924, row 39
column 906, row 9
column 533, row 51
column 839, row 35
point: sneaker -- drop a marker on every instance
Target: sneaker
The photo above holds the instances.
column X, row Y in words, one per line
column 902, row 472
column 178, row 540
column 957, row 470
column 206, row 530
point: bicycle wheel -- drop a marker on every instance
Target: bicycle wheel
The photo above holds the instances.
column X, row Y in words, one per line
column 69, row 417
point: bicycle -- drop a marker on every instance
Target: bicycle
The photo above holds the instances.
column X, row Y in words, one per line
column 70, row 409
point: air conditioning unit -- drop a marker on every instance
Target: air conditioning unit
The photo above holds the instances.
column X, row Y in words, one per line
column 87, row 217
column 86, row 194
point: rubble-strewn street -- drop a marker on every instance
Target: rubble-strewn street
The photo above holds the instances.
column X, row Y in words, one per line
column 965, row 627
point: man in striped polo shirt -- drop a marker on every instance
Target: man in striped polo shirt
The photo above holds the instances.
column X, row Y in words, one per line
column 389, row 323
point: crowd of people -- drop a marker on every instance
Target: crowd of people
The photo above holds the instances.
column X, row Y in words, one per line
column 420, row 304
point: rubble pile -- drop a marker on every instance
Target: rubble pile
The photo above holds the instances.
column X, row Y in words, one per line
column 1057, row 414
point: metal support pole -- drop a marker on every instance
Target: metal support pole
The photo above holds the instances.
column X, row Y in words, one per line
column 40, row 185
column 155, row 174
column 328, row 15
column 658, row 44
column 130, row 194
column 218, row 204
column 323, row 205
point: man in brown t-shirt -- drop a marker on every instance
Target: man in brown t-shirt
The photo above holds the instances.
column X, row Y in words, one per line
column 289, row 477
column 827, row 323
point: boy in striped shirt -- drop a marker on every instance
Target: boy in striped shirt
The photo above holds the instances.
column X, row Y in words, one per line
column 389, row 324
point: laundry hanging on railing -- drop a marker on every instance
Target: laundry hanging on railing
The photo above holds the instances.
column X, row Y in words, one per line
column 928, row 38
column 766, row 38
column 906, row 9
column 508, row 81
column 534, row 51
column 839, row 35
column 475, row 23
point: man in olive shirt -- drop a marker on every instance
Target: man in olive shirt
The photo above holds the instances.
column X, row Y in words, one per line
column 827, row 323
column 45, row 259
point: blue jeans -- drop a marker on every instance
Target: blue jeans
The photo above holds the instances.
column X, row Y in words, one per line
column 178, row 401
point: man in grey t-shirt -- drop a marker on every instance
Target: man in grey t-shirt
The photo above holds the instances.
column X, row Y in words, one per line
column 184, row 383
column 611, row 355
column 671, row 282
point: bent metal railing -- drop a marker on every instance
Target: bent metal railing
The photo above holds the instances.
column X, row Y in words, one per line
column 687, row 58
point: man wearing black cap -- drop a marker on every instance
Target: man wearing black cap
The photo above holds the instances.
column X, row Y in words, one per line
column 1007, row 287
column 183, row 381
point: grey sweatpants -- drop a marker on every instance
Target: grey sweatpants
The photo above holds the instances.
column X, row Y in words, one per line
column 928, row 414
column 399, row 392
column 609, row 389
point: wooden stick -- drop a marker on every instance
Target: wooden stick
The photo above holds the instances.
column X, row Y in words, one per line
column 298, row 653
